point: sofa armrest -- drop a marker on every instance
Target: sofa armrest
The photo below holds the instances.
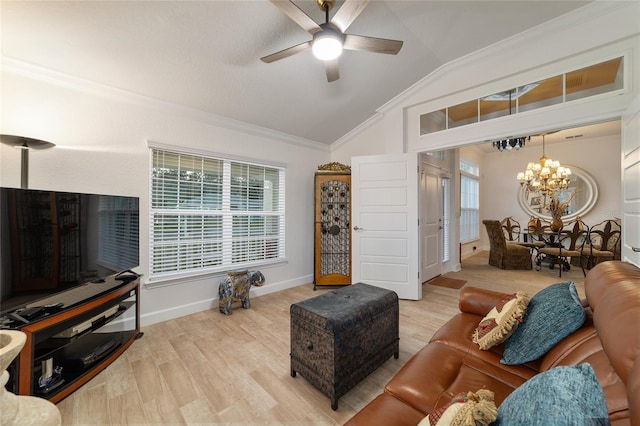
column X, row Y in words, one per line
column 479, row 301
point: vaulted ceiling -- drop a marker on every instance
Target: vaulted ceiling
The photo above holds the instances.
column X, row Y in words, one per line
column 205, row 55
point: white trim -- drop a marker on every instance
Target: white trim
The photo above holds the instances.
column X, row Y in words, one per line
column 594, row 10
column 561, row 116
column 14, row 66
column 179, row 279
column 211, row 303
column 212, row 154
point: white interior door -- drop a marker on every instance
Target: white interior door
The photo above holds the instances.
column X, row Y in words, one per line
column 631, row 183
column 431, row 224
column 385, row 223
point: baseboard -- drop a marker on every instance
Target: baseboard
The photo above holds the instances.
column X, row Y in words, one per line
column 473, row 253
column 212, row 303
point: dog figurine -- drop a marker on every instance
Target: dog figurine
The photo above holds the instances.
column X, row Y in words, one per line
column 235, row 288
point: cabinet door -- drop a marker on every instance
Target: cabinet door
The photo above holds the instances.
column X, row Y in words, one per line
column 332, row 229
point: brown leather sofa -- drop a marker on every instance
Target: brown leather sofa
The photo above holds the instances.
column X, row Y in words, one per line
column 451, row 363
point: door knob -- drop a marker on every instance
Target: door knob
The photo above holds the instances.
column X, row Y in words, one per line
column 357, row 228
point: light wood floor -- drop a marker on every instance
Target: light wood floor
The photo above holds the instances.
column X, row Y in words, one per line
column 208, row 368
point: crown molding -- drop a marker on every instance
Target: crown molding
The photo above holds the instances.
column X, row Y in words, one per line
column 515, row 43
column 24, row 69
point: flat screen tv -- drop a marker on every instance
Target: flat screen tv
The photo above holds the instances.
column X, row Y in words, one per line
column 52, row 241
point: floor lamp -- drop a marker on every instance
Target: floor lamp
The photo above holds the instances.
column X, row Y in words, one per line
column 25, row 144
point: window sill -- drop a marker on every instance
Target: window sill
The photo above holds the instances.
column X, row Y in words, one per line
column 168, row 281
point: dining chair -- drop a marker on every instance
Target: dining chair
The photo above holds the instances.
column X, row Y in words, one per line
column 566, row 244
column 535, row 238
column 604, row 242
column 503, row 255
column 511, row 229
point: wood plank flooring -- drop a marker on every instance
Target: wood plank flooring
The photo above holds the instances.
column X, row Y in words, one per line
column 208, row 368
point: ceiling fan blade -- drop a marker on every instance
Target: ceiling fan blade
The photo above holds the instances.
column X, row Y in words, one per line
column 297, row 15
column 347, row 13
column 331, row 67
column 372, row 44
column 287, row 52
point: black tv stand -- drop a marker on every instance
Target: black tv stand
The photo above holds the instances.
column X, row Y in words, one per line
column 76, row 342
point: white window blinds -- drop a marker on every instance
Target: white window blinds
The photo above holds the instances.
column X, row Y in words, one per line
column 446, row 219
column 211, row 214
column 469, row 201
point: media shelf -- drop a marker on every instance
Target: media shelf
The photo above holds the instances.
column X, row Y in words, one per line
column 77, row 343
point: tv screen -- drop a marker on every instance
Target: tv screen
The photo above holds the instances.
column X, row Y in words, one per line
column 52, row 241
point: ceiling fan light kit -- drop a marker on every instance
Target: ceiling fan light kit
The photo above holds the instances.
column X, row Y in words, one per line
column 329, row 38
column 327, row 44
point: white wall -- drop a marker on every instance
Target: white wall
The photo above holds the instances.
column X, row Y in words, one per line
column 101, row 147
column 367, row 139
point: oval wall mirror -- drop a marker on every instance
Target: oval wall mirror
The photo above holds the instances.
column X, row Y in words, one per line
column 582, row 184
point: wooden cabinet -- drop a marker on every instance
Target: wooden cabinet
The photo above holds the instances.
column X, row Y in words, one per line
column 332, row 226
column 78, row 343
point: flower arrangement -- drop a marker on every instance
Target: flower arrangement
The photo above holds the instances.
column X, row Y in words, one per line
column 557, row 208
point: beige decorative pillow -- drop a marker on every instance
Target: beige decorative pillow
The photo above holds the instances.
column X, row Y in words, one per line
column 465, row 409
column 501, row 321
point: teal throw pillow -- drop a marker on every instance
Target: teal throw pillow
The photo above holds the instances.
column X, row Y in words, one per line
column 560, row 396
column 553, row 313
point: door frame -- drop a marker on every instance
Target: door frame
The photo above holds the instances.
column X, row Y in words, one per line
column 441, row 168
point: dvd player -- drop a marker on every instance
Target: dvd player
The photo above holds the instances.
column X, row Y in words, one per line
column 79, row 328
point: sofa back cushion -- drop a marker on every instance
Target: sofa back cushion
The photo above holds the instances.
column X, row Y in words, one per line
column 613, row 291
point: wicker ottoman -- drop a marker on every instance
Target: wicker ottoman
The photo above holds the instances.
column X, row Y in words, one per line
column 340, row 337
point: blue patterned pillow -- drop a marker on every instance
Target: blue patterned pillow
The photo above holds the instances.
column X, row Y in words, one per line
column 558, row 397
column 553, row 313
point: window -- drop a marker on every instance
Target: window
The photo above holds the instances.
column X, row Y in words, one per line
column 211, row 214
column 469, row 201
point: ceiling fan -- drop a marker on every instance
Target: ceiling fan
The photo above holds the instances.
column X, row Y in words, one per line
column 329, row 38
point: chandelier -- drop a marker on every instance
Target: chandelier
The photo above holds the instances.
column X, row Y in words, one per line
column 545, row 177
column 510, row 143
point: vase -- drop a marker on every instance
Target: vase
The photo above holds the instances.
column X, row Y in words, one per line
column 556, row 224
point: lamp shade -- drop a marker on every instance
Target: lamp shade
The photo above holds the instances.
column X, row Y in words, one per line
column 25, row 142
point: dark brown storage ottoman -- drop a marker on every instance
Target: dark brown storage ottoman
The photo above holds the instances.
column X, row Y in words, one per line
column 340, row 337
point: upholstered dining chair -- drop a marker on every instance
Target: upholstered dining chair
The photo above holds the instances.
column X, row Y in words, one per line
column 603, row 242
column 503, row 255
column 565, row 245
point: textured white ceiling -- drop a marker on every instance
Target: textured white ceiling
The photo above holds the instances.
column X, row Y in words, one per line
column 205, row 54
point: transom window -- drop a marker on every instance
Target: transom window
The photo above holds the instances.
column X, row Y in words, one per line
column 603, row 77
column 210, row 214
